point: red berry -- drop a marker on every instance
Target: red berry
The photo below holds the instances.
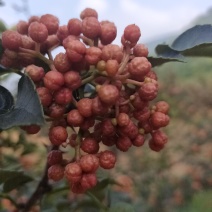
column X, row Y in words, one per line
column 62, row 63
column 73, row 172
column 123, row 119
column 74, row 118
column 35, row 73
column 123, row 143
column 88, row 12
column 74, row 26
column 51, row 42
column 130, row 130
column 111, row 67
column 51, row 22
column 142, row 115
column 139, row 140
column 27, row 42
column 87, row 123
column 38, row 32
column 159, row 120
column 72, row 80
column 108, row 129
column 88, row 180
column 138, row 103
column 56, row 111
column 91, row 27
column 33, row 19
column 108, row 94
column 154, row 146
column 148, row 91
column 90, row 145
column 54, row 157
column 59, row 122
column 75, row 50
column 93, row 55
column 140, row 50
column 62, row 32
column 58, row 135
column 55, row 172
column 162, row 107
column 108, row 32
column 159, row 137
column 109, row 140
column 31, row 129
column 53, row 80
column 22, row 27
column 107, row 159
column 11, row 40
column 63, row 96
column 132, row 33
column 112, row 51
column 45, row 96
column 84, row 107
column 139, row 67
column 98, row 107
column 89, row 163
column 69, row 39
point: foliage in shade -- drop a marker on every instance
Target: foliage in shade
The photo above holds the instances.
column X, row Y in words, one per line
column 27, row 109
column 13, row 179
column 6, row 100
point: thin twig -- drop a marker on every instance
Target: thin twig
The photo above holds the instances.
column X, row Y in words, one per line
column 42, row 188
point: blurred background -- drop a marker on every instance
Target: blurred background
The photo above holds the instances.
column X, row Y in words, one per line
column 179, row 178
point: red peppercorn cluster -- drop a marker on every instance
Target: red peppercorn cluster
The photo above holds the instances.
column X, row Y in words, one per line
column 100, row 90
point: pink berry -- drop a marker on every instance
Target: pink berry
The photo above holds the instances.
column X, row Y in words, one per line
column 38, row 32
column 53, row 80
column 74, row 26
column 108, row 94
column 11, row 40
column 51, row 22
column 107, row 159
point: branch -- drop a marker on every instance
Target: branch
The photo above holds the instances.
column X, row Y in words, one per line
column 42, row 188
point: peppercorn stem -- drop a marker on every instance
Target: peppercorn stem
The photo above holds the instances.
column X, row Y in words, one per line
column 78, row 143
column 133, row 82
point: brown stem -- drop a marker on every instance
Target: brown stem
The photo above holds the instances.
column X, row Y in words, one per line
column 125, row 60
column 133, row 82
column 78, row 143
column 35, row 54
column 90, row 78
column 87, row 40
column 42, row 188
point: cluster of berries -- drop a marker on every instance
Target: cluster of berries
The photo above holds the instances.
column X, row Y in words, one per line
column 100, row 90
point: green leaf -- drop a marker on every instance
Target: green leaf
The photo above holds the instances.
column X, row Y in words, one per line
column 157, row 61
column 13, row 183
column 122, row 207
column 196, row 41
column 27, row 110
column 6, row 100
column 6, row 174
column 13, row 179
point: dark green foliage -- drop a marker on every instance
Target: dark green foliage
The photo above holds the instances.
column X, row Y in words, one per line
column 27, row 109
column 6, row 100
column 13, row 179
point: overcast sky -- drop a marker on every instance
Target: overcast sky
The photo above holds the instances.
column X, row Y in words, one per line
column 154, row 17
